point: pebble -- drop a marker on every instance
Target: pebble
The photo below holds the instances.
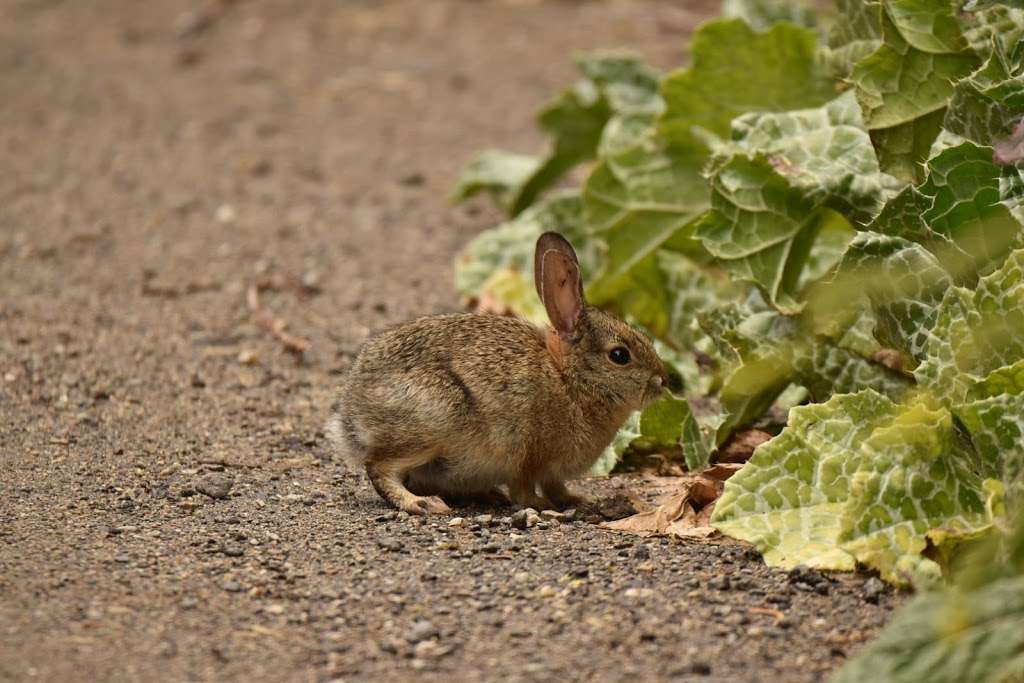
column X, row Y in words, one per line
column 873, row 589
column 456, row 522
column 231, row 586
column 421, row 630
column 525, row 519
column 215, row 484
column 233, row 550
column 484, row 520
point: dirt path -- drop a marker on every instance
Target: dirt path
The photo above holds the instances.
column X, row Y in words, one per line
column 157, row 159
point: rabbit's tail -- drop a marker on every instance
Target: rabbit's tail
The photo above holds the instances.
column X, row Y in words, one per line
column 344, row 436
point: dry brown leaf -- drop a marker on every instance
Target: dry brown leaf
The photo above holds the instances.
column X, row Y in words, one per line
column 684, row 511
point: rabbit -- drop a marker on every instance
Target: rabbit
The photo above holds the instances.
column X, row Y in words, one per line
column 460, row 404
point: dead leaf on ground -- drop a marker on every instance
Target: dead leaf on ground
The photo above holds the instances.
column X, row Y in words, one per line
column 684, row 511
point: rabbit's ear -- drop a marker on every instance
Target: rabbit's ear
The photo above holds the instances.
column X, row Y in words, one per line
column 557, row 276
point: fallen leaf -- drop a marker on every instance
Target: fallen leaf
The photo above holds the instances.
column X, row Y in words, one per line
column 684, row 511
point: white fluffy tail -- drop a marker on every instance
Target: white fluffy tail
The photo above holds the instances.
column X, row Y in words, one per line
column 345, row 441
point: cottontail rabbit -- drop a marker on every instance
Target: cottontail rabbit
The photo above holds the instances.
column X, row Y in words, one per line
column 456, row 405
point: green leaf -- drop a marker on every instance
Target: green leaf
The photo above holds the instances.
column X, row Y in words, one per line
column 913, row 478
column 615, row 86
column 826, row 151
column 904, row 282
column 926, row 25
column 964, row 189
column 993, row 414
column 903, row 149
column 858, row 478
column 496, row 172
column 976, row 333
column 735, row 70
column 761, row 228
column 637, row 202
column 999, row 25
column 788, row 499
column 949, row 636
column 855, row 34
column 899, row 83
column 986, row 105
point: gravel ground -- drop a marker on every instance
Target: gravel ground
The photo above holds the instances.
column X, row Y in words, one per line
column 168, row 506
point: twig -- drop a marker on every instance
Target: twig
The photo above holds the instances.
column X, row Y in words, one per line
column 297, row 346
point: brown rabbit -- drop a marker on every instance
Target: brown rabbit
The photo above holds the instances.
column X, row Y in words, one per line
column 457, row 405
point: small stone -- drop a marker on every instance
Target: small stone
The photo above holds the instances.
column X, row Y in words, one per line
column 412, row 179
column 873, row 589
column 525, row 519
column 232, row 586
column 215, row 484
column 421, row 630
column 391, row 544
column 233, row 550
column 430, row 649
column 197, row 381
column 483, row 520
column 248, row 357
column 456, row 522
column 226, row 213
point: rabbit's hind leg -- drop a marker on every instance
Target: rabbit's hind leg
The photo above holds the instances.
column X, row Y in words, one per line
column 556, row 491
column 523, row 492
column 387, row 471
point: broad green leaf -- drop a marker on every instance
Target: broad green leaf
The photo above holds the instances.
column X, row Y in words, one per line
column 913, row 478
column 993, row 413
column 904, row 282
column 964, row 188
column 636, row 202
column 789, row 498
column 735, row 70
column 856, row 478
column 949, row 636
column 763, row 14
column 825, row 151
column 902, row 149
column 898, row 83
column 926, row 25
column 615, row 86
column 826, row 368
column 761, row 228
column 662, row 421
column 986, row 105
column 496, row 172
column 996, row 24
column 855, row 34
column 976, row 333
column 689, row 290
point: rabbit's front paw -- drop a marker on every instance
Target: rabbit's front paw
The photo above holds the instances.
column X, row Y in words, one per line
column 424, row 505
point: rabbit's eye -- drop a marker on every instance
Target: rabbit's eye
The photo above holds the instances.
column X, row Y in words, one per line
column 619, row 355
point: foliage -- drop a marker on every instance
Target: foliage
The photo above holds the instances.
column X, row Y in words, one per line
column 831, row 214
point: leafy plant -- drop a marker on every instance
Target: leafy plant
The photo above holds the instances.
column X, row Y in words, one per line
column 830, row 215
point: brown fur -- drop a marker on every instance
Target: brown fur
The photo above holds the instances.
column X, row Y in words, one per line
column 457, row 405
